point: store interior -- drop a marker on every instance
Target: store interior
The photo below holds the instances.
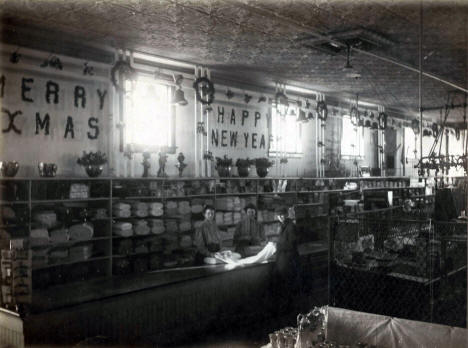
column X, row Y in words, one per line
column 138, row 134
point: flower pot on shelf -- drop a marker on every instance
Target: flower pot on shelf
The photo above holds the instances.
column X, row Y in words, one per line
column 243, row 171
column 93, row 170
column 223, row 171
column 262, row 171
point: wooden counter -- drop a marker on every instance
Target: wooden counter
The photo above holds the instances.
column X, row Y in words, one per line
column 157, row 307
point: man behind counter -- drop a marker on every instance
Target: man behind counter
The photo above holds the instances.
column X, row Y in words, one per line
column 249, row 232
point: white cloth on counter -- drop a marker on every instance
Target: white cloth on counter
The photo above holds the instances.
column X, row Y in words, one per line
column 82, row 231
column 268, row 251
column 39, row 237
column 59, row 235
column 47, row 218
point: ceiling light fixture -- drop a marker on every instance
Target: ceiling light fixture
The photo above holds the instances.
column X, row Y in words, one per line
column 348, row 68
column 281, row 100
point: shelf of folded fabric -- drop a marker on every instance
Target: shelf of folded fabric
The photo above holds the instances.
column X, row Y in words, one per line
column 3, row 202
column 68, row 243
column 67, row 200
column 236, row 194
column 65, row 263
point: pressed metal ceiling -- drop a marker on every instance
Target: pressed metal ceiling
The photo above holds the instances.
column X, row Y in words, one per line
column 259, row 41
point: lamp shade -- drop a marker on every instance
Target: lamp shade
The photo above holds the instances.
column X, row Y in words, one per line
column 179, row 97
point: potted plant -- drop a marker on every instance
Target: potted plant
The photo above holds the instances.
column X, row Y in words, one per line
column 263, row 165
column 223, row 166
column 243, row 167
column 93, row 162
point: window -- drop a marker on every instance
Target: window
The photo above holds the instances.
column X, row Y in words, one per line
column 352, row 140
column 286, row 135
column 148, row 115
column 411, row 144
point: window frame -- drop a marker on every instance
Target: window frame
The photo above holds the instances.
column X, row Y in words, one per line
column 126, row 119
column 357, row 139
column 298, row 153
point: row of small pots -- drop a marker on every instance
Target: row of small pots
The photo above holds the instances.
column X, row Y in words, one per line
column 225, row 171
column 46, row 170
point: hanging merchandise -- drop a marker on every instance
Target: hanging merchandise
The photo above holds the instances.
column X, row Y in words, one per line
column 354, row 115
column 382, row 120
column 247, row 98
column 53, row 61
column 88, row 70
column 307, row 104
column 415, row 126
column 204, row 90
column 229, row 94
column 435, row 130
column 126, row 72
column 262, row 99
column 457, row 133
column 15, row 57
column 322, row 110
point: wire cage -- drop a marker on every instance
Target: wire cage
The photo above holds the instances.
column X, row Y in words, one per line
column 407, row 268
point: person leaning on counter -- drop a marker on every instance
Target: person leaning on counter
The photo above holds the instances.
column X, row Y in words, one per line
column 207, row 238
column 248, row 231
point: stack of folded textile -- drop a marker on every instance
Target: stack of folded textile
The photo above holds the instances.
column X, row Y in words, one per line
column 224, row 203
column 123, row 246
column 57, row 255
column 140, row 209
column 122, row 210
column 228, row 218
column 185, row 225
column 40, row 256
column 46, row 218
column 184, row 208
column 80, row 252
column 197, row 206
column 171, row 226
column 140, row 227
column 219, row 218
column 82, row 231
column 236, row 217
column 171, row 208
column 156, row 209
column 123, row 229
column 59, row 235
column 236, row 203
column 39, row 237
column 157, row 226
column 140, row 246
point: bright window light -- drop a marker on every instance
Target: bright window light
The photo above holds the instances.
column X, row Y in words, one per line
column 148, row 115
column 286, row 134
column 352, row 141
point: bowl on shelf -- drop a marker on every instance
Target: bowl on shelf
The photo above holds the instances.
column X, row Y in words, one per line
column 47, row 170
column 9, row 169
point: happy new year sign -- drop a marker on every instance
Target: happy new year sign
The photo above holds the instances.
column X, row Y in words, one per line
column 237, row 128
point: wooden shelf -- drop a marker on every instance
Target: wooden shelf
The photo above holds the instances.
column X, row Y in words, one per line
column 69, row 200
column 91, row 259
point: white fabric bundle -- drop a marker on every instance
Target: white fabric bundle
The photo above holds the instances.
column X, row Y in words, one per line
column 156, row 209
column 185, row 226
column 184, row 208
column 156, row 212
column 141, row 230
column 185, row 242
column 47, row 218
column 123, row 229
column 156, row 205
column 38, row 237
column 59, row 235
column 209, row 202
column 83, row 231
column 121, row 206
column 122, row 213
column 236, row 203
column 121, row 210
